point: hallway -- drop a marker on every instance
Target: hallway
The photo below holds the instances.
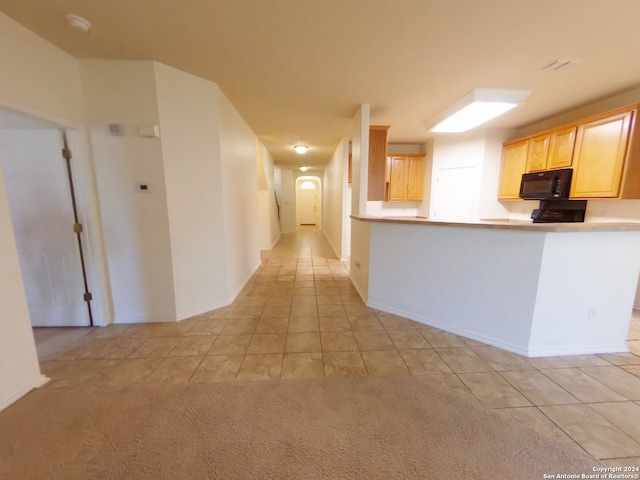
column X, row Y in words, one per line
column 300, row 317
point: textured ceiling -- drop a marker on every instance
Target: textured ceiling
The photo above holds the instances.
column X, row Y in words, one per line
column 298, row 69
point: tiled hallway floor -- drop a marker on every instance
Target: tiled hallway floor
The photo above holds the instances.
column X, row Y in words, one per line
column 300, row 317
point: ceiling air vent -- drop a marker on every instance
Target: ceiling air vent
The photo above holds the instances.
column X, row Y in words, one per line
column 556, row 64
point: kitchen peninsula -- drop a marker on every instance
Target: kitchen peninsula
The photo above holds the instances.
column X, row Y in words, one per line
column 533, row 289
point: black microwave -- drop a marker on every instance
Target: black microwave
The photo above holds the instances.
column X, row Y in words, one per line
column 546, row 185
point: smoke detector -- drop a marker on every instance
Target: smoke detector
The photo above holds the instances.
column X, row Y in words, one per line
column 79, row 23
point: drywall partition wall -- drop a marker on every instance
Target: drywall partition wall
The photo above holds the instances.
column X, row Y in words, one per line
column 455, row 183
column 19, row 369
column 189, row 122
column 240, row 196
column 287, row 200
column 472, row 282
column 37, row 77
column 488, row 204
column 360, row 258
column 135, row 222
column 466, row 170
column 360, row 160
column 40, row 79
column 269, row 222
column 333, row 193
column 586, row 304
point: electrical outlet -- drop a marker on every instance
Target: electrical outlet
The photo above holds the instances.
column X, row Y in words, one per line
column 591, row 315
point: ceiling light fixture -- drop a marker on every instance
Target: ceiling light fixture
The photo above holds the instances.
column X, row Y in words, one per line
column 304, row 169
column 301, row 149
column 478, row 107
column 79, row 23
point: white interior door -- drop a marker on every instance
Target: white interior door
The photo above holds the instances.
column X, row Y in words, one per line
column 42, row 214
column 454, row 195
column 308, row 206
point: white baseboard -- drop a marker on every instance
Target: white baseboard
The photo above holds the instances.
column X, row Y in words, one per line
column 358, row 289
column 332, row 245
column 129, row 320
column 520, row 350
column 37, row 383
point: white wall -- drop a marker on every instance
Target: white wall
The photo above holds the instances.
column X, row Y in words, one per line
column 585, row 307
column 240, row 196
column 40, row 79
column 360, row 257
column 333, row 195
column 37, row 77
column 473, row 282
column 285, row 186
column 466, row 171
column 188, row 111
column 360, row 160
column 135, row 224
column 19, row 369
column 269, row 223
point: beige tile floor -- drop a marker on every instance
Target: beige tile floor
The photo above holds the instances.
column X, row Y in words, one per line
column 300, row 317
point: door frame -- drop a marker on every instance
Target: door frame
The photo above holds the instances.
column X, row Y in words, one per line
column 88, row 212
column 318, row 182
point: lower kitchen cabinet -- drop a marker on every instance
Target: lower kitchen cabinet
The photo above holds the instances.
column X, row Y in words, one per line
column 405, row 179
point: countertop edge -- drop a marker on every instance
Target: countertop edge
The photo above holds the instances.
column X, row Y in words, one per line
column 509, row 225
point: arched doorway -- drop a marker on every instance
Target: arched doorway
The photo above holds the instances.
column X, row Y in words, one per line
column 308, row 201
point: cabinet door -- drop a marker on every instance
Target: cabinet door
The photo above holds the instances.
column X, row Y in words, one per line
column 514, row 159
column 398, row 180
column 415, row 180
column 377, row 159
column 538, row 151
column 561, row 148
column 600, row 152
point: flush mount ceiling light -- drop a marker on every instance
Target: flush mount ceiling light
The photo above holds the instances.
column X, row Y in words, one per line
column 477, row 107
column 304, row 169
column 301, row 149
column 79, row 23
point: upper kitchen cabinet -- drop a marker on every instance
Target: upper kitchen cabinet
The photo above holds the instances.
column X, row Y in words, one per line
column 514, row 160
column 405, row 176
column 603, row 150
column 562, row 141
column 604, row 158
column 377, row 162
column 537, row 153
column 551, row 150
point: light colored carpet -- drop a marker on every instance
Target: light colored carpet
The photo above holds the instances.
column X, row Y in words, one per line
column 369, row 428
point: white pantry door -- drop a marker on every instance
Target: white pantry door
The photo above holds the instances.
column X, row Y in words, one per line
column 37, row 184
column 308, row 199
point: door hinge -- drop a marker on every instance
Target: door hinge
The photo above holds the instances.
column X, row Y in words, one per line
column 66, row 153
column 87, row 297
column 77, row 228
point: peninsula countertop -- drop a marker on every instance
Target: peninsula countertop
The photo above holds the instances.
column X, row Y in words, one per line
column 507, row 224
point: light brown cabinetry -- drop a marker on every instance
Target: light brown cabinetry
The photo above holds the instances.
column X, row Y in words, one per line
column 405, row 178
column 537, row 153
column 603, row 150
column 561, row 146
column 551, row 150
column 599, row 157
column 377, row 162
column 514, row 159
